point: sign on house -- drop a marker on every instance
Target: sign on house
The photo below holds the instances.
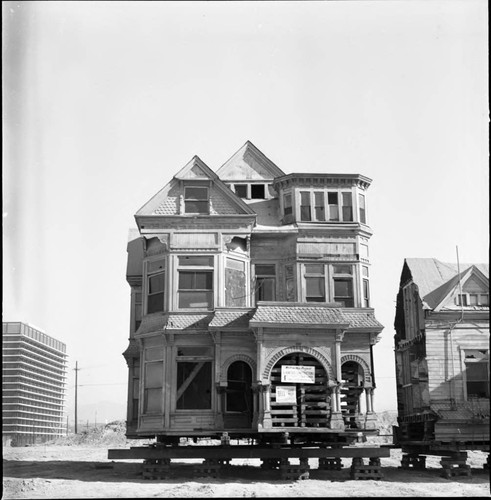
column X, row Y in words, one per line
column 286, row 394
column 298, row 374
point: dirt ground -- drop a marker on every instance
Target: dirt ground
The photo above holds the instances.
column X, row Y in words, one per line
column 77, row 471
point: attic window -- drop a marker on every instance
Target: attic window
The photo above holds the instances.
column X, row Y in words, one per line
column 196, row 200
column 257, row 192
column 241, row 190
column 472, row 299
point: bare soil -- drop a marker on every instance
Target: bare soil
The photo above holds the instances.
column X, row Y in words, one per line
column 84, row 471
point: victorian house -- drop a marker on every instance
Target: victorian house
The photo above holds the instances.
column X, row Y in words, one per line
column 250, row 303
column 442, row 354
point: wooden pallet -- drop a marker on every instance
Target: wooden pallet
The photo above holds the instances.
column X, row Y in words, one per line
column 413, row 461
column 371, row 471
column 209, row 468
column 156, row 469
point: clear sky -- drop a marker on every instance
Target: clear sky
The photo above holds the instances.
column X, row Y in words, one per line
column 105, row 101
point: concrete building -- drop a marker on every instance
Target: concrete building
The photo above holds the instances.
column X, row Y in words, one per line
column 34, row 378
column 250, row 307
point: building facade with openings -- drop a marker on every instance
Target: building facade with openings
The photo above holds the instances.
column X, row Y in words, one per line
column 250, row 303
column 442, row 355
column 34, row 379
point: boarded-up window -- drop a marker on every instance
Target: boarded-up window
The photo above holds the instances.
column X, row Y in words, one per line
column 154, row 373
column 235, row 283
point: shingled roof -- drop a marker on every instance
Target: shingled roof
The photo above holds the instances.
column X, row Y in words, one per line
column 231, row 318
column 314, row 315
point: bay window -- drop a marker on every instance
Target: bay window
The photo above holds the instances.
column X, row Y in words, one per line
column 329, row 283
column 195, row 282
column 155, row 286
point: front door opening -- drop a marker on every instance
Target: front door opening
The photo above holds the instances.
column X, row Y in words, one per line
column 238, row 400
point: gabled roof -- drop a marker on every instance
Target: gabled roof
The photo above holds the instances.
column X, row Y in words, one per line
column 166, row 201
column 437, row 281
column 249, row 163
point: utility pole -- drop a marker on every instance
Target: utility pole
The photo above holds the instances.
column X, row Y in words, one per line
column 76, row 389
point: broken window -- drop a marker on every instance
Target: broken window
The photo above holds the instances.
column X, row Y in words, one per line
column 477, row 373
column 257, row 191
column 265, row 281
column 195, row 282
column 196, row 200
column 194, row 378
column 332, row 201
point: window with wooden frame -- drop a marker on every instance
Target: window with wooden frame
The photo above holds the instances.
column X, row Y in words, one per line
column 472, row 299
column 476, row 362
column 194, row 377
column 137, row 309
column 305, row 206
column 287, row 204
column 343, row 284
column 361, row 204
column 196, row 200
column 265, row 282
column 153, row 380
column 329, row 283
column 155, row 286
column 195, row 282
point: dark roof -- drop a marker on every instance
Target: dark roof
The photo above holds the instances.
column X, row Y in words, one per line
column 310, row 314
column 231, row 318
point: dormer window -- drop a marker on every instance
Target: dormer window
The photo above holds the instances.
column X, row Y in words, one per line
column 196, row 200
column 251, row 191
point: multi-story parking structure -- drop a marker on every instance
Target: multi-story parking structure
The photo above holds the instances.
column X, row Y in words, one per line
column 34, row 378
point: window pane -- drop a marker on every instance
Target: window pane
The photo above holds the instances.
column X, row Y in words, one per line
column 152, row 400
column 203, row 280
column 195, row 351
column 195, row 299
column 257, row 191
column 265, row 269
column 343, row 288
column 186, row 280
column 287, row 204
column 484, row 300
column 191, row 260
column 196, row 207
column 305, row 206
column 241, row 190
column 196, row 193
column 361, row 199
column 320, row 212
column 314, row 268
column 265, row 288
column 154, row 373
column 473, row 299
column 347, row 207
column 315, row 287
column 342, row 269
column 156, row 265
column 156, row 283
column 193, row 385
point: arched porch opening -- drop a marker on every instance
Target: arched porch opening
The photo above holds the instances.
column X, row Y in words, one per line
column 300, row 396
column 238, row 396
column 351, row 391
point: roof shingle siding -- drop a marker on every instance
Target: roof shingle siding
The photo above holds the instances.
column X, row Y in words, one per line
column 231, row 319
column 315, row 315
